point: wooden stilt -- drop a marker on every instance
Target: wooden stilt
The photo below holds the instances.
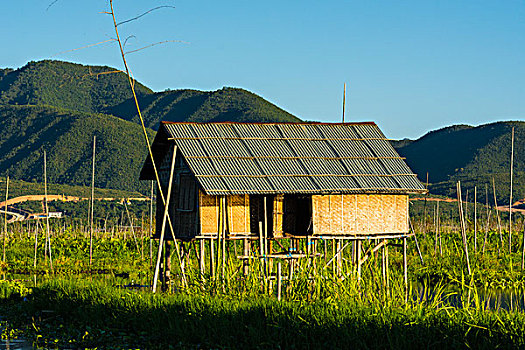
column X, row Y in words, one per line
column 212, row 257
column 167, row 266
column 279, row 281
column 246, row 253
column 405, row 264
column 358, row 259
column 202, row 258
column 163, row 227
column 339, row 258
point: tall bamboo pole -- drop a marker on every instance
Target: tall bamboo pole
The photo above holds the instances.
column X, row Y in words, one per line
column 497, row 212
column 92, row 204
column 462, row 222
column 48, row 237
column 163, row 227
column 151, row 226
column 5, row 217
column 510, row 195
column 344, row 101
column 475, row 219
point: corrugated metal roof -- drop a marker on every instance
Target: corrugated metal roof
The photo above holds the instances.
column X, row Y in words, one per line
column 236, row 158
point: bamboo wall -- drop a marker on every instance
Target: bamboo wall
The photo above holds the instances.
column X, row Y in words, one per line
column 210, row 212
column 359, row 214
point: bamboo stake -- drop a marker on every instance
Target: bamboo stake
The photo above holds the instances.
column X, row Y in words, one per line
column 151, row 227
column 224, row 228
column 279, row 281
column 497, row 212
column 405, row 266
column 131, row 225
column 475, row 219
column 488, row 217
column 48, row 237
column 510, row 195
column 417, row 243
column 144, row 131
column 5, row 217
column 36, row 241
column 163, row 227
column 523, row 248
column 462, row 223
column 92, row 204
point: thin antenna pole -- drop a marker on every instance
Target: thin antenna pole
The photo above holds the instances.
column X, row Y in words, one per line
column 344, row 101
column 510, row 196
column 92, row 204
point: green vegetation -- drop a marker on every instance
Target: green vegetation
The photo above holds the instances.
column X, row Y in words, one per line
column 66, row 85
column 67, row 136
column 103, row 304
column 472, row 155
column 227, row 104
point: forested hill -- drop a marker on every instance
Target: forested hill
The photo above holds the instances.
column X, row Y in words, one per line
column 67, row 137
column 473, row 155
column 59, row 106
column 67, row 85
column 227, row 104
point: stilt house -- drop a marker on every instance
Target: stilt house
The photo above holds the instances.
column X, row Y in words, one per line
column 297, row 179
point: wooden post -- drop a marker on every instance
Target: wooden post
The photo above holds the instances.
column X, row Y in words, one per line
column 246, row 253
column 339, row 258
column 92, row 203
column 523, row 249
column 212, row 257
column 475, row 219
column 167, row 265
column 48, row 237
column 151, row 227
column 202, row 258
column 36, row 241
column 462, row 223
column 279, row 281
column 5, row 217
column 358, row 259
column 497, row 212
column 224, row 228
column 405, row 264
column 261, row 249
column 163, row 227
column 510, row 195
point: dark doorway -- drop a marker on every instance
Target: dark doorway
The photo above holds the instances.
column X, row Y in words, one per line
column 297, row 217
column 257, row 213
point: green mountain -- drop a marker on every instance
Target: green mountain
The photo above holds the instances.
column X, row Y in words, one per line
column 59, row 106
column 67, row 85
column 67, row 137
column 473, row 155
column 227, row 104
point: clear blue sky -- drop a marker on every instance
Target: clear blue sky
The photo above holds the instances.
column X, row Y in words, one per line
column 411, row 66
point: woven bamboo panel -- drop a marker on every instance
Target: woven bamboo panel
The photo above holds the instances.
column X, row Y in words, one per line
column 237, row 206
column 349, row 213
column 363, row 214
column 377, row 223
column 278, row 216
column 390, row 213
column 209, row 213
column 336, row 213
column 321, row 214
column 402, row 213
